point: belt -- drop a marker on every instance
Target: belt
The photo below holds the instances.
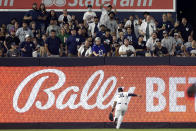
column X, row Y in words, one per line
column 123, row 103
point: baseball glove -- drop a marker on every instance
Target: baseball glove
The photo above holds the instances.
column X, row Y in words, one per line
column 191, row 90
column 111, row 116
column 129, row 53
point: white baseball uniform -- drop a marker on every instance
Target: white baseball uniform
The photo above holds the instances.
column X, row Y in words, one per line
column 122, row 100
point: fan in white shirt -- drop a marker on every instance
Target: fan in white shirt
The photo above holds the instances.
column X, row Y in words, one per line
column 112, row 23
column 85, row 50
column 135, row 23
column 147, row 28
column 64, row 18
column 189, row 43
column 145, row 15
column 23, row 31
column 151, row 43
column 93, row 28
column 126, row 49
column 89, row 16
column 104, row 13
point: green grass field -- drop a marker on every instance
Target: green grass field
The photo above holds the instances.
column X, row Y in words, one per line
column 105, row 130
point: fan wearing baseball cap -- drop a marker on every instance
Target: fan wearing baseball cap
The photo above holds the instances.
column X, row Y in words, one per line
column 27, row 47
column 168, row 42
column 160, row 50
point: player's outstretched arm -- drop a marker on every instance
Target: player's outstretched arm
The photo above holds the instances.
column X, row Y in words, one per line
column 134, row 95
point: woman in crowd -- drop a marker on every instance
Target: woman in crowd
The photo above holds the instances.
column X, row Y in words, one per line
column 52, row 16
column 43, row 15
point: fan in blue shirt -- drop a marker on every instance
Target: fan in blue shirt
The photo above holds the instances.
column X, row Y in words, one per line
column 80, row 36
column 130, row 36
column 101, row 32
column 73, row 43
column 53, row 44
column 98, row 48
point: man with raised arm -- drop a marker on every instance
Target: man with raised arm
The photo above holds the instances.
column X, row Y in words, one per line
column 104, row 13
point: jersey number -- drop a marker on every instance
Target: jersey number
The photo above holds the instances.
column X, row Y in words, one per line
column 121, row 95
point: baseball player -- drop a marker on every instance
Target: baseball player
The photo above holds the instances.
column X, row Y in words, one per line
column 120, row 105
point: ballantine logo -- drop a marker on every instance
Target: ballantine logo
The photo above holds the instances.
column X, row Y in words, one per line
column 6, row 2
column 52, row 99
column 82, row 3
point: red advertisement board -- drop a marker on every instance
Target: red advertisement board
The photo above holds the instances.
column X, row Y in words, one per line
column 85, row 94
column 80, row 5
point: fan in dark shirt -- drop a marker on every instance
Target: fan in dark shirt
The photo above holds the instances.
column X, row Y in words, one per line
column 11, row 39
column 107, row 41
column 185, row 29
column 140, row 46
column 160, row 50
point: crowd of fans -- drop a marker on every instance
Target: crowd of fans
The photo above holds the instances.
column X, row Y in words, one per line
column 44, row 34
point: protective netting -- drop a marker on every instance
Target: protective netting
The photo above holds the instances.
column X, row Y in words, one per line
column 84, row 94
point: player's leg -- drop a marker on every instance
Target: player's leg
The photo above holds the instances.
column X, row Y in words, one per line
column 120, row 119
column 117, row 114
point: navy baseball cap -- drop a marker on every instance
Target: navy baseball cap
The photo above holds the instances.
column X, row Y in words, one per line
column 146, row 13
column 102, row 25
column 120, row 89
column 90, row 6
column 141, row 36
column 110, row 6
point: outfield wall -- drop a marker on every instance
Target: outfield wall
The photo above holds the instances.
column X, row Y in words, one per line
column 78, row 92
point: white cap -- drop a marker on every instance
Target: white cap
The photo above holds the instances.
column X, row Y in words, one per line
column 97, row 38
column 26, row 36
